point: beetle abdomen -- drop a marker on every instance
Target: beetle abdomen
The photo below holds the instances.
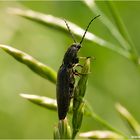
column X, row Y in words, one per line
column 65, row 86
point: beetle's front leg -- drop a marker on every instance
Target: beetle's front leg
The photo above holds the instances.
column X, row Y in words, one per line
column 92, row 57
column 78, row 65
column 75, row 72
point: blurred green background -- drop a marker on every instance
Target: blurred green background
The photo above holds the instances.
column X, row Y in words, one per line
column 113, row 78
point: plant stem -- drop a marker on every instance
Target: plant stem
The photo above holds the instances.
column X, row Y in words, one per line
column 127, row 46
column 103, row 122
column 36, row 66
column 59, row 24
column 122, row 29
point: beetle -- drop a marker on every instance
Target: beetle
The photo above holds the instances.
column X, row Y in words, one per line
column 65, row 76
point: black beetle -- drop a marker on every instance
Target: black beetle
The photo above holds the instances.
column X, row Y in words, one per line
column 65, row 76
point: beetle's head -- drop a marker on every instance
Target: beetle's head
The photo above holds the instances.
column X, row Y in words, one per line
column 70, row 58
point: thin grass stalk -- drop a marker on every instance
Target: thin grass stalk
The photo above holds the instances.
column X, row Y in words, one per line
column 36, row 66
column 122, row 28
column 97, row 118
column 113, row 30
column 58, row 23
column 78, row 101
column 129, row 119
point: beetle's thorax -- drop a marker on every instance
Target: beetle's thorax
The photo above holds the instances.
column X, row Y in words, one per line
column 70, row 58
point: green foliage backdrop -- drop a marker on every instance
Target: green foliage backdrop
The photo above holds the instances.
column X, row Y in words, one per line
column 114, row 78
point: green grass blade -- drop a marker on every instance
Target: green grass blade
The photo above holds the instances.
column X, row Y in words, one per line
column 46, row 102
column 64, row 130
column 128, row 46
column 104, row 19
column 97, row 118
column 59, row 24
column 78, row 101
column 56, row 134
column 127, row 117
column 119, row 23
column 42, row 101
column 36, row 66
column 121, row 27
column 98, row 134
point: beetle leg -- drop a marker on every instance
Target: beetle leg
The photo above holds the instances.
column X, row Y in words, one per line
column 71, row 85
column 71, row 89
column 75, row 72
column 78, row 65
column 92, row 57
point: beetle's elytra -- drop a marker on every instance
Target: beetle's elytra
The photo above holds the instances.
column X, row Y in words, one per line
column 65, row 76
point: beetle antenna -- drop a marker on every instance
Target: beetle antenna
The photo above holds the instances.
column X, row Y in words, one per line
column 87, row 29
column 70, row 31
